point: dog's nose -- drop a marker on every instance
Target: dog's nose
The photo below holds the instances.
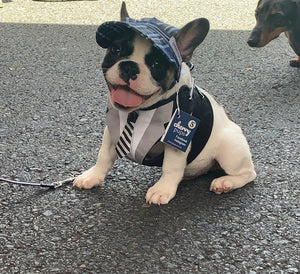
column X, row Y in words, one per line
column 254, row 38
column 252, row 42
column 128, row 70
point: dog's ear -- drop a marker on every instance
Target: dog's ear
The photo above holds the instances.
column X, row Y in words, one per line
column 124, row 12
column 191, row 36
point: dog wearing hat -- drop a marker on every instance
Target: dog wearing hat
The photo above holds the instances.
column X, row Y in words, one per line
column 157, row 116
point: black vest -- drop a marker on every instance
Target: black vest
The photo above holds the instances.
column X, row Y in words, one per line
column 197, row 104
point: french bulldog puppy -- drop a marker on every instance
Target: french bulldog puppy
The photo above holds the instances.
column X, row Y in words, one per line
column 147, row 70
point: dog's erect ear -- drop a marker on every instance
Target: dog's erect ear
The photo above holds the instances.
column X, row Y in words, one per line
column 124, row 12
column 191, row 36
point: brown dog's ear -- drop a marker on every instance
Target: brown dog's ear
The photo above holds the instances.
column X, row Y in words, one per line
column 191, row 36
column 124, row 12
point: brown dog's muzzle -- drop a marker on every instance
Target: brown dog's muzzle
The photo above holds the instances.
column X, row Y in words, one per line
column 260, row 37
column 254, row 38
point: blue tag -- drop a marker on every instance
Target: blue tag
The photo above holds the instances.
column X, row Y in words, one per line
column 180, row 130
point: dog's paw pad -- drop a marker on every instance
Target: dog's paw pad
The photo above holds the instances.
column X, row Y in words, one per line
column 88, row 179
column 160, row 194
column 157, row 198
column 221, row 185
column 85, row 183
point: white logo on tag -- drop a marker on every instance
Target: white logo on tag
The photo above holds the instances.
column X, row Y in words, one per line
column 183, row 130
column 192, row 124
column 180, row 130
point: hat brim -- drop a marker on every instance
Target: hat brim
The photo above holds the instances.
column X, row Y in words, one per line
column 109, row 31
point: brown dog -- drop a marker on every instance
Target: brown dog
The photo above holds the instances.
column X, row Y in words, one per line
column 274, row 17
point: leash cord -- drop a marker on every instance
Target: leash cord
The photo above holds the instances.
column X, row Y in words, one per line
column 52, row 185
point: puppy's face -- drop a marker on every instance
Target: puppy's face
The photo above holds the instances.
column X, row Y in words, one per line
column 137, row 73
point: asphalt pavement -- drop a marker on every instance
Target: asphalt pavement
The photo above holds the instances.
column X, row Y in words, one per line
column 52, row 109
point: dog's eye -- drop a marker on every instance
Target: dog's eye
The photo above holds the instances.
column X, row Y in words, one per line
column 115, row 49
column 155, row 64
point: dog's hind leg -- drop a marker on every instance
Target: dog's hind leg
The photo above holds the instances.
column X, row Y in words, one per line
column 235, row 158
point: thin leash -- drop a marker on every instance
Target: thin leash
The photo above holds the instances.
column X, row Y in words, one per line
column 71, row 179
column 50, row 185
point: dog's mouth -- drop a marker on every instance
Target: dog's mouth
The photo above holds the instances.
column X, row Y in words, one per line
column 125, row 97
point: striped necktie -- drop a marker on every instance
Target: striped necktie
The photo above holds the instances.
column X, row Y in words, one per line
column 123, row 145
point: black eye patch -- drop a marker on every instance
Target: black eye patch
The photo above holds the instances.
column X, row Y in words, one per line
column 159, row 66
column 121, row 47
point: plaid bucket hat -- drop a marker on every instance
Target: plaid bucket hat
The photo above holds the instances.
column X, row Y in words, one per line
column 160, row 34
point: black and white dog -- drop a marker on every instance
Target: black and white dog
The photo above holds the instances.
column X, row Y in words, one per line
column 147, row 71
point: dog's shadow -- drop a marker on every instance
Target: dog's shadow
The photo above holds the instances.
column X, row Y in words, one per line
column 198, row 188
column 195, row 193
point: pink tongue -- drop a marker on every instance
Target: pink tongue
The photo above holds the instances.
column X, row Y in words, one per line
column 126, row 97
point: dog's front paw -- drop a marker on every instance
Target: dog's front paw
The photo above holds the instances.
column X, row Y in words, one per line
column 161, row 193
column 88, row 179
column 221, row 185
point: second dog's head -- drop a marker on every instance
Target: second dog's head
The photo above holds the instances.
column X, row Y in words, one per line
column 272, row 18
column 143, row 58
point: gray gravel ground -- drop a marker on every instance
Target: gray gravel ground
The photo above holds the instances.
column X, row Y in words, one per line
column 52, row 109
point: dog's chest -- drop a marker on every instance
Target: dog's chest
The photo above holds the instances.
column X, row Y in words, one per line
column 148, row 129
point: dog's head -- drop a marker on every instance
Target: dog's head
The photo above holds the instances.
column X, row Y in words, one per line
column 272, row 18
column 144, row 57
